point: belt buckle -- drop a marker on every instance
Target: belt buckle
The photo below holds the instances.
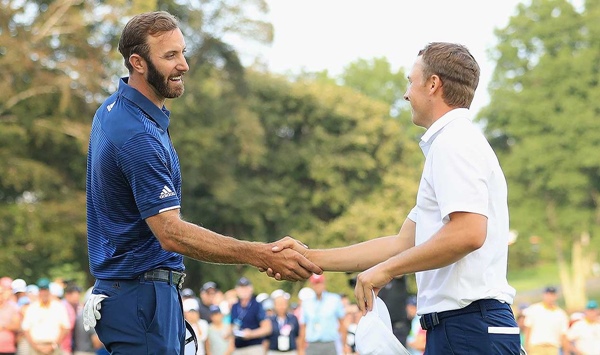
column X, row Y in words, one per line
column 434, row 320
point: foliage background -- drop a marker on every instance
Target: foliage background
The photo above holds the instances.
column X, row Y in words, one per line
column 329, row 160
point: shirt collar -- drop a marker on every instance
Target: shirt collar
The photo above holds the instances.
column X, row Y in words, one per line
column 437, row 126
column 160, row 116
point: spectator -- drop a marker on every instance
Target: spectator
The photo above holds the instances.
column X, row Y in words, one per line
column 321, row 324
column 207, row 297
column 584, row 334
column 394, row 296
column 286, row 329
column 249, row 322
column 191, row 313
column 415, row 341
column 546, row 324
column 219, row 333
column 351, row 319
column 46, row 322
column 188, row 293
column 10, row 318
column 19, row 288
column 71, row 301
column 304, row 294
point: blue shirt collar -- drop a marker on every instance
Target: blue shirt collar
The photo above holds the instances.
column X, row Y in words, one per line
column 160, row 116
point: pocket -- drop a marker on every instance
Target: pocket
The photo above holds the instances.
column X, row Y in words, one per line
column 147, row 304
column 505, row 341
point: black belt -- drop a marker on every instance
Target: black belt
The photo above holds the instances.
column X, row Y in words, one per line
column 169, row 276
column 430, row 320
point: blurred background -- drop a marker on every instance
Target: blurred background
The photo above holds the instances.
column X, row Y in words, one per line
column 306, row 133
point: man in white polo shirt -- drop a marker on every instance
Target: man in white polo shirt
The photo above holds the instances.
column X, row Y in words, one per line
column 456, row 237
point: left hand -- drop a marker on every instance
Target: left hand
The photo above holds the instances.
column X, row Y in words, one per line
column 367, row 282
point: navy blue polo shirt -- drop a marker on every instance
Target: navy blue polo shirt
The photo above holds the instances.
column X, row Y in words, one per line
column 248, row 317
column 133, row 173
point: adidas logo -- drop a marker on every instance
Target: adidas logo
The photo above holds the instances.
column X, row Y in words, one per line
column 166, row 192
column 109, row 107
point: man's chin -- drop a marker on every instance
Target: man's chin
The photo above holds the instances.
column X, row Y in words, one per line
column 175, row 92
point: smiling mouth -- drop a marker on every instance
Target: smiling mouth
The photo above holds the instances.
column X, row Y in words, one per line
column 176, row 78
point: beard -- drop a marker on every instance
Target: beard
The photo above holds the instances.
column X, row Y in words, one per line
column 160, row 83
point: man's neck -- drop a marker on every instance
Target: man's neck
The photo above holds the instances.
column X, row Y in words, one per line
column 140, row 84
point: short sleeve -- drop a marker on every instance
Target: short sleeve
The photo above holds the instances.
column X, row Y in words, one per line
column 261, row 314
column 412, row 215
column 148, row 169
column 460, row 179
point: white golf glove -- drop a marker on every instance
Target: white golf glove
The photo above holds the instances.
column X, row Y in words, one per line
column 91, row 311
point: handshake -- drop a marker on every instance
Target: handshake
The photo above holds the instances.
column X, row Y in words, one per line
column 288, row 261
column 285, row 259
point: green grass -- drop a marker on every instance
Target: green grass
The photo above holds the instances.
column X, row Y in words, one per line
column 531, row 282
column 534, row 278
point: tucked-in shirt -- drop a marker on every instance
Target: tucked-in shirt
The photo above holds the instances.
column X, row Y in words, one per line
column 462, row 174
column 322, row 316
column 133, row 173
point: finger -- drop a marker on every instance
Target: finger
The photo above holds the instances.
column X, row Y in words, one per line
column 369, row 299
column 360, row 298
column 270, row 272
column 309, row 267
column 297, row 241
column 284, row 243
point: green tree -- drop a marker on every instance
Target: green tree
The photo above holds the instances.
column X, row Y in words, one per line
column 289, row 158
column 58, row 60
column 543, row 121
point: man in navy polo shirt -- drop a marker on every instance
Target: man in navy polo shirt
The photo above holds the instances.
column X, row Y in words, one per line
column 249, row 321
column 136, row 238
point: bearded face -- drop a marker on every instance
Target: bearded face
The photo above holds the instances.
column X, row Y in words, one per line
column 168, row 86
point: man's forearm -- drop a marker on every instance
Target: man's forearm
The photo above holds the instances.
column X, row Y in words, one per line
column 202, row 244
column 361, row 256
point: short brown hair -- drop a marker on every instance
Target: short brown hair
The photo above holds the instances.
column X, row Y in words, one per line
column 456, row 67
column 134, row 38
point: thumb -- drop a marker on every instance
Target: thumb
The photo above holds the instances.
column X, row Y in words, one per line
column 284, row 243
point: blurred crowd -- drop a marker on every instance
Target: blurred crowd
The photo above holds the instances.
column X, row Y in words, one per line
column 45, row 317
column 318, row 321
column 546, row 328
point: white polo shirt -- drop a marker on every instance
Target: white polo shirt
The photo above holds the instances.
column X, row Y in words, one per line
column 462, row 174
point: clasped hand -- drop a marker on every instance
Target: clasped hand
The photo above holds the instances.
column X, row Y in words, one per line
column 288, row 261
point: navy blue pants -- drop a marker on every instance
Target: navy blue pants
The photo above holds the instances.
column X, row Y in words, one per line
column 140, row 317
column 485, row 332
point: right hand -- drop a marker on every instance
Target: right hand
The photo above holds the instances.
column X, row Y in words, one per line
column 91, row 311
column 287, row 261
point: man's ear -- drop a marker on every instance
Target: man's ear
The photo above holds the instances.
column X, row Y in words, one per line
column 435, row 83
column 138, row 63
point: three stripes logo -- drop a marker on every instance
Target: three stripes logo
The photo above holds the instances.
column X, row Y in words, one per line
column 166, row 192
